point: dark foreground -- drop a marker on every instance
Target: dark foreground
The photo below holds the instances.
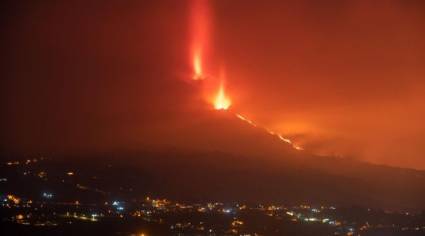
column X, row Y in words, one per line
column 163, row 217
column 39, row 197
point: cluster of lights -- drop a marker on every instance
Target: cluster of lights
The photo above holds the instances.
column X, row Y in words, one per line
column 13, row 198
column 25, row 162
column 118, row 205
column 47, row 195
column 311, row 217
column 153, row 208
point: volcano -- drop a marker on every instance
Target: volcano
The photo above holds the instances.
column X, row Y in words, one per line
column 235, row 160
column 221, row 157
column 222, row 131
column 214, row 155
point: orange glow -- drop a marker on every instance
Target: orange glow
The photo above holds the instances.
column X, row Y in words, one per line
column 221, row 102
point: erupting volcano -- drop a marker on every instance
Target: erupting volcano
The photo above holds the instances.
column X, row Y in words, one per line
column 271, row 113
column 222, row 102
column 200, row 20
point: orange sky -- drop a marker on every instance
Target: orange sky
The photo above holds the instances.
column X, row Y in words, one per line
column 341, row 77
column 344, row 77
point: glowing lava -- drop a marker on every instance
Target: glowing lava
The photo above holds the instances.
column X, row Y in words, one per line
column 200, row 30
column 246, row 120
column 222, row 102
column 197, row 66
column 283, row 139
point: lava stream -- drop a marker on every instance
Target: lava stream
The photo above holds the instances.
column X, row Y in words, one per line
column 283, row 139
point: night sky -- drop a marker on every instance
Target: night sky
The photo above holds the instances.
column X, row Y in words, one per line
column 338, row 77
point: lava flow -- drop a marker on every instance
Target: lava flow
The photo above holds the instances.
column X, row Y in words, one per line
column 283, row 139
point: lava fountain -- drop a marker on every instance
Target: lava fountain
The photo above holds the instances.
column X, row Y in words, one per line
column 200, row 26
column 197, row 67
column 222, row 102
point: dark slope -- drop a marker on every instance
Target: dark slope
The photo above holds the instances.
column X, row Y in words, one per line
column 221, row 158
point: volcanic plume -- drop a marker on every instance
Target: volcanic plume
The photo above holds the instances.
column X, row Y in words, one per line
column 200, row 21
